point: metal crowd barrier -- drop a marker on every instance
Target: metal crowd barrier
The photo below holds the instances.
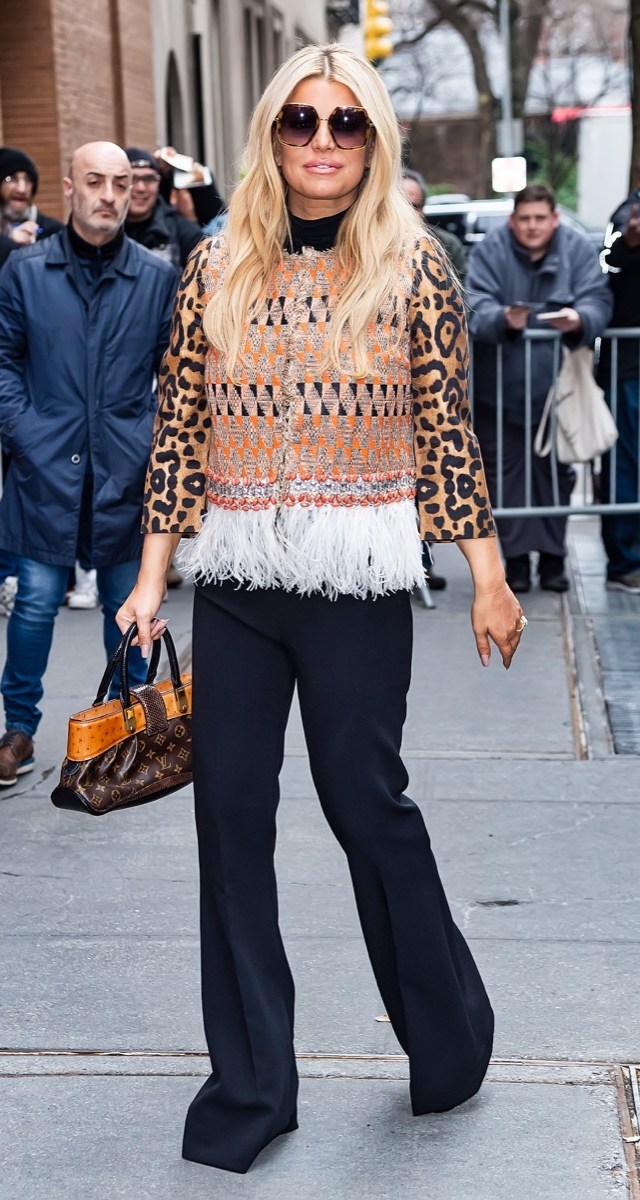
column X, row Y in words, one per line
column 582, row 499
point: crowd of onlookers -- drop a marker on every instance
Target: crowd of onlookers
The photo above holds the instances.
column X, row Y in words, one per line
column 85, row 312
column 536, row 273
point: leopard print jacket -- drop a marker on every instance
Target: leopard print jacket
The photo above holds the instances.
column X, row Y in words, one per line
column 257, row 466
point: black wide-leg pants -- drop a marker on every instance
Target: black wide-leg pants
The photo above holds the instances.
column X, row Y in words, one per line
column 351, row 662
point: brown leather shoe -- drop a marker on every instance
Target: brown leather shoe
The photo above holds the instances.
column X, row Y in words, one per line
column 16, row 756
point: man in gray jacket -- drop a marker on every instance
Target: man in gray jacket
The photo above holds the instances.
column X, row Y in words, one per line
column 531, row 273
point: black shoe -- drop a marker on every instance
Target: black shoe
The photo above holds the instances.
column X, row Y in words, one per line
column 622, row 583
column 551, row 571
column 437, row 583
column 519, row 573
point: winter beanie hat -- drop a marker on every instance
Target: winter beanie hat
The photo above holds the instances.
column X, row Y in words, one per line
column 12, row 161
column 141, row 158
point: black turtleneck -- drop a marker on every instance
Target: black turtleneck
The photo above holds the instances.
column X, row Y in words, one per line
column 92, row 260
column 320, row 234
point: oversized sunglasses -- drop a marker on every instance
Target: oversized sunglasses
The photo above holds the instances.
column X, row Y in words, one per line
column 296, row 125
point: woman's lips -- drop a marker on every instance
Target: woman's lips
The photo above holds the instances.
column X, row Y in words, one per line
column 322, row 168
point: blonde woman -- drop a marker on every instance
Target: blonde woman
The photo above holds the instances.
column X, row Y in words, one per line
column 314, row 393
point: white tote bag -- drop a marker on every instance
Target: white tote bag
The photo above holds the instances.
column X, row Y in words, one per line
column 584, row 426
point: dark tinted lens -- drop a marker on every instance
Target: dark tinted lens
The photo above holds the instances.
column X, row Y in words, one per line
column 349, row 127
column 298, row 124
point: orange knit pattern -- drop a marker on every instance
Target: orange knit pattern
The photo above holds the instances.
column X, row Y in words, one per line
column 289, row 430
column 265, row 459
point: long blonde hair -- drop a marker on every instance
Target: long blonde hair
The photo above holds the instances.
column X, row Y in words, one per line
column 378, row 226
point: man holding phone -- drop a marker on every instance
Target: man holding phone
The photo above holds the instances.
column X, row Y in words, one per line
column 531, row 273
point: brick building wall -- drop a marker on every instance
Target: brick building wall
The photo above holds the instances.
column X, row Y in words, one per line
column 28, row 92
column 136, row 66
column 74, row 73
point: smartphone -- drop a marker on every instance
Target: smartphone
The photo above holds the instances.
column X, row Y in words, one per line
column 534, row 306
column 199, row 177
column 551, row 316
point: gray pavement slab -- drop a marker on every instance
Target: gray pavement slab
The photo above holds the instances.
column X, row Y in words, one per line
column 120, row 1138
column 106, row 922
column 553, row 999
column 518, row 862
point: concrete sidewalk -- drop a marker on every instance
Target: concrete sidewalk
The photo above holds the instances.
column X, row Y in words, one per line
column 535, row 823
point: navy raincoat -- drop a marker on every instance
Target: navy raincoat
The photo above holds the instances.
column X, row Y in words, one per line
column 77, row 372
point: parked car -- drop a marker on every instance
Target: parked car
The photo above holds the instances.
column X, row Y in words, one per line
column 471, row 220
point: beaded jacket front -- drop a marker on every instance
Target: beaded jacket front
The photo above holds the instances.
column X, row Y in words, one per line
column 297, row 475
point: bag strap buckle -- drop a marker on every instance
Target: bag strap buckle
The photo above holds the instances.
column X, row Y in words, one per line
column 129, row 719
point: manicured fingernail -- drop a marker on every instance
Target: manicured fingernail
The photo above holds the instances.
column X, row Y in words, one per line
column 144, row 650
column 484, row 659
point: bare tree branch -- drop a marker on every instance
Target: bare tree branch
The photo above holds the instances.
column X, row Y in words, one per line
column 418, row 37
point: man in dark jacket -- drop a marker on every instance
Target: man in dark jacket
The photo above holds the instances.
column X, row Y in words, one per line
column 153, row 222
column 21, row 222
column 84, row 322
column 621, row 533
column 530, row 273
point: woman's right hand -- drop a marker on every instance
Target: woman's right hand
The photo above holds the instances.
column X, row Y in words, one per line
column 142, row 606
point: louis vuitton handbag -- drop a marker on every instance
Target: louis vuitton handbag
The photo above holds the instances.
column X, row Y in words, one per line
column 132, row 749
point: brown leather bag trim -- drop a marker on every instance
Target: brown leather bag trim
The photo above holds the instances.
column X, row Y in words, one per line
column 97, row 729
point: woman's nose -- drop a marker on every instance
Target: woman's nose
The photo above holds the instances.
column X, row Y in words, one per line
column 322, row 137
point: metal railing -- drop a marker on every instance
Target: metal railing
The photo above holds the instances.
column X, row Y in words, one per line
column 584, row 499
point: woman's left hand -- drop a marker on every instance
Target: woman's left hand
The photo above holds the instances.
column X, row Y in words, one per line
column 496, row 616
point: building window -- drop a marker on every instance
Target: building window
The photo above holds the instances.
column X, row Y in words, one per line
column 173, row 105
column 277, row 39
column 217, row 114
column 255, row 43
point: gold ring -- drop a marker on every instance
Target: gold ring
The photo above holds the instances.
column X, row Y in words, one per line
column 521, row 624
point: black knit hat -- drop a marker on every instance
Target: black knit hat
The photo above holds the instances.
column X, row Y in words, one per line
column 12, row 161
column 141, row 158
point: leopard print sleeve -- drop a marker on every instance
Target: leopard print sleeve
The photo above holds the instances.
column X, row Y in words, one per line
column 452, row 496
column 175, row 490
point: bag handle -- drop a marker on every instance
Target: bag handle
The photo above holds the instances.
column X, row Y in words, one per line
column 174, row 666
column 110, row 669
column 120, row 658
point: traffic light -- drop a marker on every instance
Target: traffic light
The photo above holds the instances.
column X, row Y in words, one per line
column 377, row 30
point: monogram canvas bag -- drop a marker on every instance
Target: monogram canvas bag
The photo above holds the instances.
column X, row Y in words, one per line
column 576, row 407
column 132, row 749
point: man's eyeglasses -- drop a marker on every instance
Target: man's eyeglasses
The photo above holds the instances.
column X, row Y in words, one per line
column 146, row 180
column 19, row 177
column 297, row 124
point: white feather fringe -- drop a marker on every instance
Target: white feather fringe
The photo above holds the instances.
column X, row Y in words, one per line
column 365, row 550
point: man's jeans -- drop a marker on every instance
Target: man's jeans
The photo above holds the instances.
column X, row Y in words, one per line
column 621, row 533
column 41, row 590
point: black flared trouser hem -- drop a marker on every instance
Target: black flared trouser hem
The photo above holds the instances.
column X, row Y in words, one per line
column 350, row 660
